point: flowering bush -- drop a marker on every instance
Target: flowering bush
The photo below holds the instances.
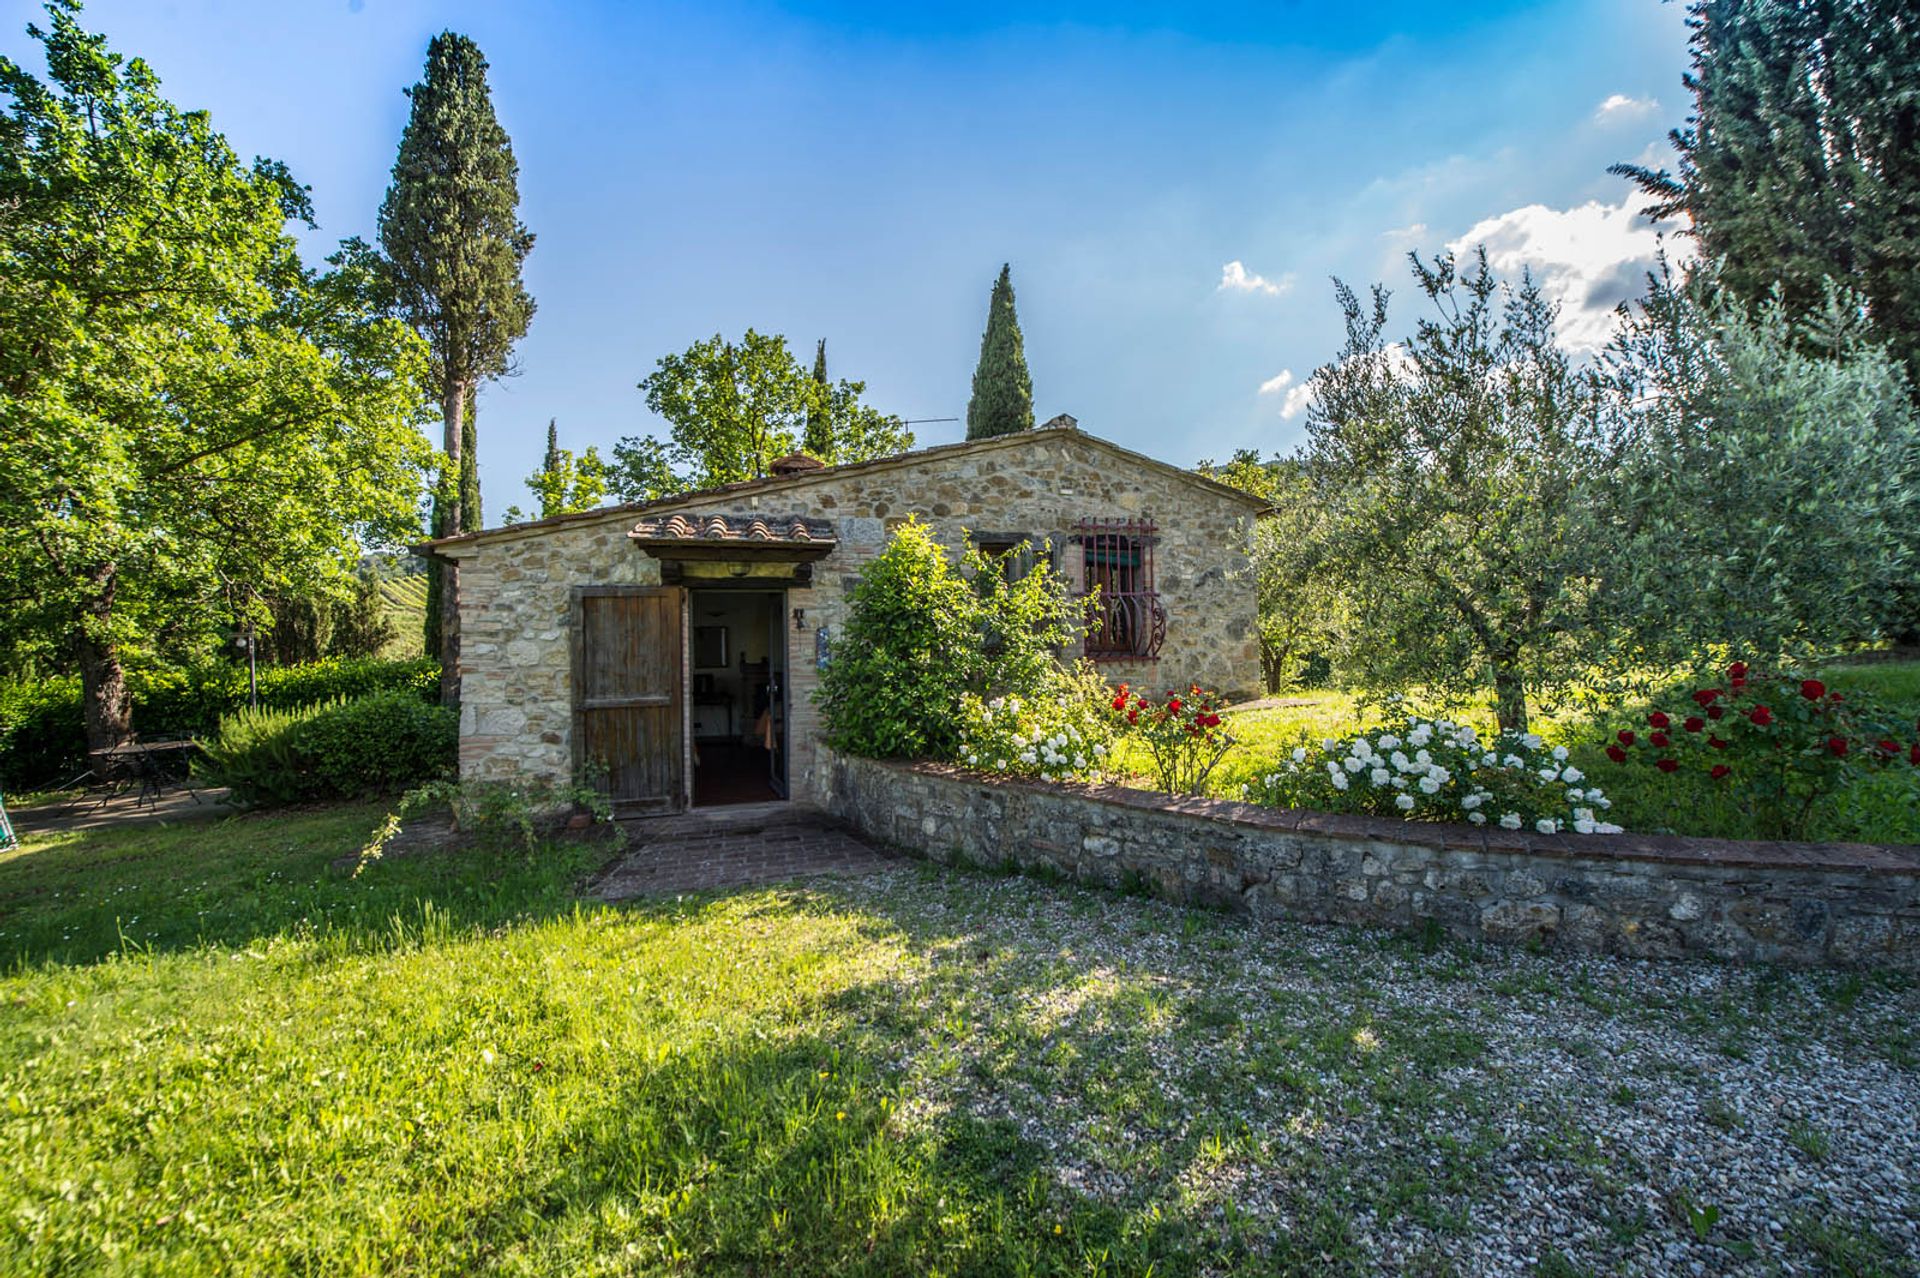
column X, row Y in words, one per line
column 1438, row 770
column 1181, row 732
column 1782, row 742
column 1060, row 735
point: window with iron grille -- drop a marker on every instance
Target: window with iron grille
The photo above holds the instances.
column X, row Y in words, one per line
column 1125, row 619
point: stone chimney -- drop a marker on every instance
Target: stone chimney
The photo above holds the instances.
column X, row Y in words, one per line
column 1065, row 421
column 795, row 464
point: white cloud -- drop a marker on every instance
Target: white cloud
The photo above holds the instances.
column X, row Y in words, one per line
column 1297, row 400
column 1277, row 383
column 1587, row 259
column 1619, row 106
column 1236, row 278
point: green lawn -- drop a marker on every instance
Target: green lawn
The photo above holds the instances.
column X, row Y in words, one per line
column 1882, row 809
column 221, row 1054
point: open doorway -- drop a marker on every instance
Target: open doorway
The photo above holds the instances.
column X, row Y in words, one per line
column 738, row 679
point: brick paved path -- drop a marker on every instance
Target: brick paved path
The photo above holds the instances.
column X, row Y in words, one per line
column 728, row 847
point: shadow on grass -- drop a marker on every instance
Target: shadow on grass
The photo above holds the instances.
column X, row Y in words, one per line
column 75, row 898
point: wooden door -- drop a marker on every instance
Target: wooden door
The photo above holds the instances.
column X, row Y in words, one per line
column 629, row 692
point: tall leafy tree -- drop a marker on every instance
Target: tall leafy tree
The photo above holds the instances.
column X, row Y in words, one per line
column 565, row 484
column 733, row 408
column 1002, row 399
column 454, row 244
column 1801, row 161
column 1768, row 488
column 1459, row 521
column 818, row 441
column 194, row 421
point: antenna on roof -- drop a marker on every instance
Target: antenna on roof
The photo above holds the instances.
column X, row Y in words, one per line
column 921, row 421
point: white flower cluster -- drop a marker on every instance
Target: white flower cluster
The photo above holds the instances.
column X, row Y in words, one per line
column 1439, row 770
column 1007, row 735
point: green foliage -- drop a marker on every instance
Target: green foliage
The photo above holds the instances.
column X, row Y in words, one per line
column 314, row 627
column 733, row 408
column 493, row 814
column 1299, row 608
column 42, row 741
column 1002, row 400
column 194, row 420
column 921, row 636
column 451, row 249
column 1768, row 481
column 565, row 484
column 1457, row 521
column 338, row 749
column 1183, row 733
column 1784, row 745
column 1818, row 98
column 1425, row 769
column 1061, row 731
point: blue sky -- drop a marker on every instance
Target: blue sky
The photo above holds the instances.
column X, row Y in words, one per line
column 1172, row 191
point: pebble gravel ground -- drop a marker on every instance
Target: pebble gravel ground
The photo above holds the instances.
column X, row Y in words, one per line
column 1323, row 1099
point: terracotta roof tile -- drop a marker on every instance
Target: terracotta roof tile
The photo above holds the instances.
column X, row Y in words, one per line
column 756, row 528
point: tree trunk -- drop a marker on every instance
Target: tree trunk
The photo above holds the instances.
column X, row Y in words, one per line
column 1509, row 698
column 105, row 704
column 453, row 409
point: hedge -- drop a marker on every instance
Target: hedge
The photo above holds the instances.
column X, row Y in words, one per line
column 43, row 737
column 340, row 749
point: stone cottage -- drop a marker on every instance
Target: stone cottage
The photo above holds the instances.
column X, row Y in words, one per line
column 676, row 644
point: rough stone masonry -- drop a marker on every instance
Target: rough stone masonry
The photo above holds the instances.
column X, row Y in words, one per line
column 1808, row 904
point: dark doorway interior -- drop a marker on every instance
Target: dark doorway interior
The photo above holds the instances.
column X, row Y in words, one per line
column 738, row 697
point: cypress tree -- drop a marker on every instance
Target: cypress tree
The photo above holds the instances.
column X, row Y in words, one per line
column 817, row 441
column 453, row 246
column 1002, row 389
column 1801, row 161
column 552, row 465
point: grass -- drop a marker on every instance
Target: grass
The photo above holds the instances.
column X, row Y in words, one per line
column 1882, row 808
column 220, row 1054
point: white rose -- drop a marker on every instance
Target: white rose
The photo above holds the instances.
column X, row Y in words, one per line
column 1583, row 826
column 1532, row 741
column 1560, row 753
column 1299, row 754
column 1572, row 774
column 1380, row 776
column 1352, row 764
column 1511, row 821
column 1339, row 780
column 1608, row 827
column 1473, row 801
column 1389, row 742
column 1400, row 762
column 1404, row 802
column 1478, row 818
column 1429, row 786
column 1547, row 825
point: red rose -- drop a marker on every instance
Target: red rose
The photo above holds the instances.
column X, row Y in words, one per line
column 1738, row 670
column 1719, row 770
column 1838, row 745
column 1761, row 716
column 1173, row 704
column 1133, row 716
column 1913, row 755
column 1659, row 719
column 1668, row 765
column 1120, row 702
column 1620, row 756
column 1694, row 723
column 1659, row 739
column 1716, row 712
column 1626, row 737
column 1812, row 689
column 1716, row 743
column 1707, row 696
column 1835, row 697
column 1887, row 747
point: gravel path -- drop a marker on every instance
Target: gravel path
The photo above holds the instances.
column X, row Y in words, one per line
column 1335, row 1100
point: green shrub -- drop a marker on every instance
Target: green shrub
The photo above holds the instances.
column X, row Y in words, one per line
column 922, row 636
column 339, row 749
column 43, row 742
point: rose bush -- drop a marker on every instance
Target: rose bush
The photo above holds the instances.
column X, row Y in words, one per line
column 1183, row 733
column 1437, row 770
column 1782, row 743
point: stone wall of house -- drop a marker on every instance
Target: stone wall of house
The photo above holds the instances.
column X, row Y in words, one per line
column 515, row 589
column 1646, row 897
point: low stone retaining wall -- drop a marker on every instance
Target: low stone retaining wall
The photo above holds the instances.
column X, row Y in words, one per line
column 1643, row 896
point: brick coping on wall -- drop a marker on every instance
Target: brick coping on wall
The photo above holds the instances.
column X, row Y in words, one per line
column 1663, row 849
